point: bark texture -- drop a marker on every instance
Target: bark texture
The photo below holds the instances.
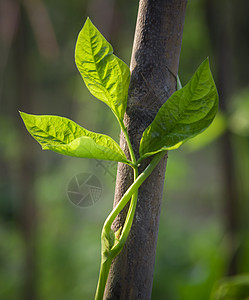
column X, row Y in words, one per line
column 154, row 66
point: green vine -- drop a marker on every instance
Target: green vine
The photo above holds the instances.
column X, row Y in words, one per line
column 188, row 112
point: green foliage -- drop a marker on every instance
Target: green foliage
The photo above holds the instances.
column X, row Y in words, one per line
column 66, row 137
column 188, row 112
column 234, row 288
column 105, row 75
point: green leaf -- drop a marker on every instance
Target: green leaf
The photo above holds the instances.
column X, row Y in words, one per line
column 66, row 137
column 105, row 75
column 188, row 112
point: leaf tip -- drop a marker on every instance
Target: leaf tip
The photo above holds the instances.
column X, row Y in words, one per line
column 88, row 22
column 205, row 63
column 23, row 115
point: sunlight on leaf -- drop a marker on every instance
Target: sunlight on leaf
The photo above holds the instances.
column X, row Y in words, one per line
column 105, row 75
column 188, row 112
column 64, row 136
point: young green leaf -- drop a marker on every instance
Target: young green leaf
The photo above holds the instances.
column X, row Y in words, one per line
column 188, row 112
column 64, row 136
column 105, row 75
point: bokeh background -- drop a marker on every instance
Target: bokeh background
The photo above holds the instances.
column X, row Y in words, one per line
column 49, row 248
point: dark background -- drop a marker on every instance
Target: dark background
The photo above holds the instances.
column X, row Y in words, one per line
column 49, row 248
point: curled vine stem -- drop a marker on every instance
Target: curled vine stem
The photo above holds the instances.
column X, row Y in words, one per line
column 112, row 243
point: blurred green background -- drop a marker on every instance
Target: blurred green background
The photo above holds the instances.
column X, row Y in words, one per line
column 49, row 248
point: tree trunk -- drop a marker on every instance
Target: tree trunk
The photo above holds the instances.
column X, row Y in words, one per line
column 154, row 66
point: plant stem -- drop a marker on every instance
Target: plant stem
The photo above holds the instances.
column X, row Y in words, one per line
column 131, row 192
column 131, row 212
column 128, row 194
column 103, row 275
column 114, row 251
column 133, row 158
column 110, row 248
column 128, row 221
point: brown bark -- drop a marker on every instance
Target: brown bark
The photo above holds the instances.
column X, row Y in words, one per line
column 154, row 66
